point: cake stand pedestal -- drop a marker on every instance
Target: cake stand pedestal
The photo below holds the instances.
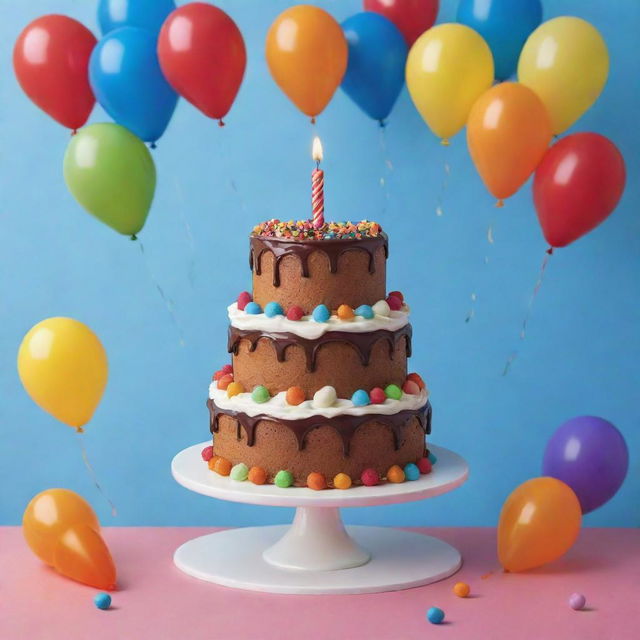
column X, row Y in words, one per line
column 317, row 554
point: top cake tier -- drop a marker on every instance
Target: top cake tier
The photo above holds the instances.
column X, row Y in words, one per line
column 341, row 263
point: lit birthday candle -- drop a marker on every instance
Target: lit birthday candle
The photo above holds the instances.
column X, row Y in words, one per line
column 317, row 186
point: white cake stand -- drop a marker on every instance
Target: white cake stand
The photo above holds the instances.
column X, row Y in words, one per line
column 317, row 554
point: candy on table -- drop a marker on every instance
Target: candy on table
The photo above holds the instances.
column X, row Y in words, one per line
column 273, row 309
column 360, row 398
column 212, row 462
column 283, row 479
column 414, row 377
column 461, row 589
column 365, row 311
column 295, row 313
column 411, row 471
column 316, row 481
column 225, row 381
column 577, row 601
column 370, row 477
column 321, row 313
column 234, row 388
column 393, row 391
column 102, row 600
column 377, row 395
column 253, row 308
column 342, row 481
column 381, row 308
column 395, row 304
column 260, row 394
column 424, row 465
column 239, row 472
column 345, row 312
column 257, row 475
column 432, row 457
column 222, row 466
column 243, row 300
column 207, row 453
column 295, row 396
column 411, row 387
column 324, row 397
column 395, row 474
column 435, row 615
column 397, row 294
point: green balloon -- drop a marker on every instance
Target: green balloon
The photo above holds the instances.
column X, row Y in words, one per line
column 111, row 173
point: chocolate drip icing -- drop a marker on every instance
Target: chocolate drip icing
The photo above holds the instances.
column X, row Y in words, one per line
column 345, row 425
column 333, row 249
column 362, row 342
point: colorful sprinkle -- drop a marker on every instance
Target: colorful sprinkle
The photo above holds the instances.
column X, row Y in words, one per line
column 321, row 313
column 411, row 387
column 102, row 601
column 260, row 394
column 461, row 589
column 316, row 481
column 295, row 313
column 283, row 479
column 207, row 453
column 370, row 478
column 345, row 312
column 424, row 465
column 577, row 601
column 397, row 294
column 414, row 377
column 304, row 230
column 395, row 474
column 222, row 466
column 244, row 299
column 233, row 389
column 365, row 311
column 435, row 615
column 273, row 309
column 342, row 481
column 257, row 475
column 377, row 395
column 381, row 308
column 393, row 391
column 253, row 308
column 411, row 471
column 239, row 472
column 295, row 396
column 360, row 398
column 324, row 397
column 395, row 304
column 225, row 381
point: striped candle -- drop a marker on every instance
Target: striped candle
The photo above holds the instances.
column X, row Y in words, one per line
column 317, row 186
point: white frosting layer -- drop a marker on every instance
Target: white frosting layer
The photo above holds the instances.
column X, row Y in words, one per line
column 310, row 329
column 278, row 408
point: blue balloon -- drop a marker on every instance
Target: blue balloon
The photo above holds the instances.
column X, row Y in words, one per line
column 377, row 57
column 126, row 79
column 146, row 14
column 505, row 25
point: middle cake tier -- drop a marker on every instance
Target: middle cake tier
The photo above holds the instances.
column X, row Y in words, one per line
column 346, row 360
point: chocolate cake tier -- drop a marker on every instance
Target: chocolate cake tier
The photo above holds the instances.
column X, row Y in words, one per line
column 345, row 360
column 311, row 272
column 342, row 444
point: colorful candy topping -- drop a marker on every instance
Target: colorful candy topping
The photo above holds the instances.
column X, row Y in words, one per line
column 244, row 299
column 395, row 474
column 222, row 466
column 102, row 601
column 345, row 312
column 212, row 462
column 240, row 472
column 325, row 397
column 424, row 465
column 283, row 479
column 316, row 481
column 411, row 471
column 360, row 398
column 303, row 229
column 207, row 453
column 253, row 308
column 321, row 313
column 370, row 478
column 397, row 294
column 233, row 389
column 273, row 309
column 435, row 615
column 395, row 304
column 432, row 458
column 577, row 601
column 414, row 377
column 257, row 475
column 377, row 395
column 342, row 481
column 393, row 391
column 295, row 313
column 365, row 311
column 461, row 589
column 295, row 396
column 381, row 308
column 225, row 381
column 260, row 394
column 222, row 372
column 411, row 387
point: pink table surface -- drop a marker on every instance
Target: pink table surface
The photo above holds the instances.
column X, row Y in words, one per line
column 156, row 600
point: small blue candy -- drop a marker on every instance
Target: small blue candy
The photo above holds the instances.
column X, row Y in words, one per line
column 253, row 308
column 272, row 309
column 365, row 311
column 435, row 615
column 411, row 471
column 432, row 458
column 360, row 398
column 321, row 313
column 102, row 600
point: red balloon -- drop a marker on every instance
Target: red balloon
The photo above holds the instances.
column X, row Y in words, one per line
column 412, row 17
column 577, row 185
column 51, row 61
column 203, row 57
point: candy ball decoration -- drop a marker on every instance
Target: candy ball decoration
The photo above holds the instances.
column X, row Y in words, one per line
column 212, row 462
column 461, row 589
column 260, row 394
column 295, row 313
column 207, row 453
column 222, row 466
column 411, row 387
column 273, row 309
column 370, row 478
column 381, row 308
column 393, row 391
column 295, row 396
column 360, row 398
column 365, row 311
column 411, row 471
column 424, row 465
column 395, row 304
column 396, row 294
column 321, row 313
column 432, row 458
column 577, row 601
column 342, row 481
column 233, row 389
column 239, row 472
column 316, row 481
column 102, row 601
column 435, row 615
column 253, row 308
column 377, row 395
column 257, row 475
column 243, row 299
column 414, row 377
column 395, row 474
column 283, row 479
column 225, row 381
column 324, row 397
column 345, row 312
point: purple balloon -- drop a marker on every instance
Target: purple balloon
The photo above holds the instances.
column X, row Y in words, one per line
column 590, row 455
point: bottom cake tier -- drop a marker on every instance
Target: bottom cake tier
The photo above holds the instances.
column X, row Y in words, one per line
column 326, row 447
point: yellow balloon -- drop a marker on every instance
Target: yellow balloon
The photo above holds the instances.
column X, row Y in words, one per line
column 448, row 68
column 63, row 367
column 565, row 61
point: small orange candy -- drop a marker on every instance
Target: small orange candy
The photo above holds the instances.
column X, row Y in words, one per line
column 222, row 466
column 316, row 481
column 345, row 312
column 415, row 377
column 257, row 475
column 212, row 461
column 295, row 395
column 395, row 474
column 461, row 589
column 225, row 381
column 342, row 481
column 234, row 388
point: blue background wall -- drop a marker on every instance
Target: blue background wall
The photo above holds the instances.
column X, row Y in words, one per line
column 580, row 355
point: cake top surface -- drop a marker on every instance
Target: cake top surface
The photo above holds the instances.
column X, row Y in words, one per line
column 303, row 230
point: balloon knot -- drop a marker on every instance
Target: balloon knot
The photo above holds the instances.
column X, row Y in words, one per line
column 383, row 124
column 313, row 119
column 153, row 145
column 500, row 203
column 221, row 122
column 74, row 132
column 444, row 142
column 79, row 430
column 134, row 237
column 549, row 251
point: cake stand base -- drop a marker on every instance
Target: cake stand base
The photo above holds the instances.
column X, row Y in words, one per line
column 398, row 560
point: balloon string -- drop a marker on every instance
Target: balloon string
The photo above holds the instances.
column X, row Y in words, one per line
column 191, row 273
column 387, row 169
column 474, row 296
column 445, row 180
column 92, row 473
column 527, row 316
column 168, row 301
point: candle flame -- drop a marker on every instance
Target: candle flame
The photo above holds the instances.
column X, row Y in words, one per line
column 316, row 152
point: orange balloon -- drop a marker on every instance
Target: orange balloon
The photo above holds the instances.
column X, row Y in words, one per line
column 49, row 515
column 307, row 55
column 81, row 554
column 539, row 522
column 508, row 132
